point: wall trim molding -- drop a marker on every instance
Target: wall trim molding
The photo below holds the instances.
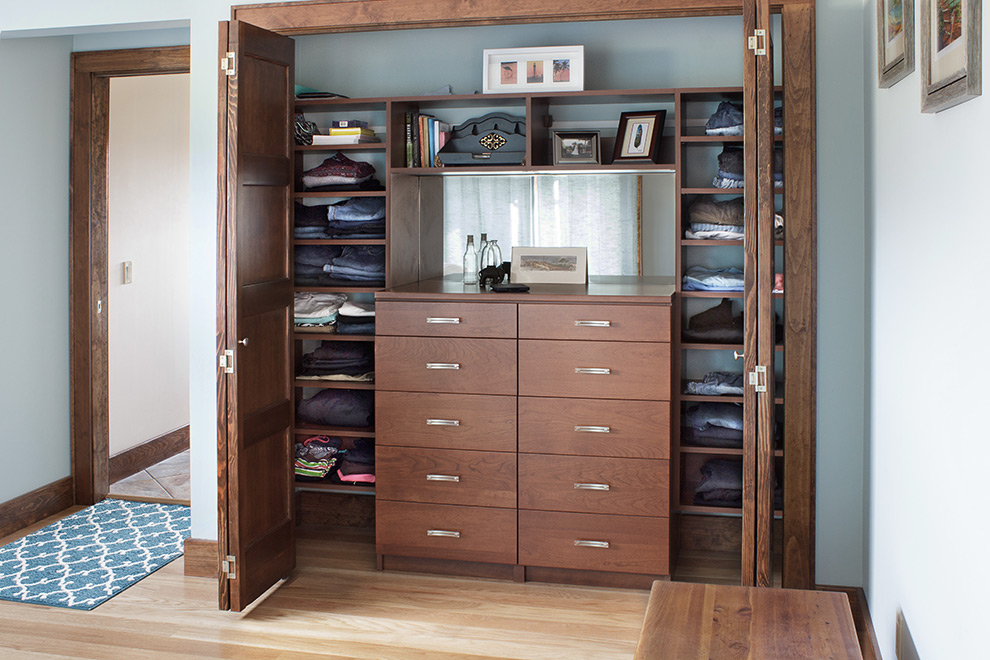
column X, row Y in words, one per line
column 140, row 457
column 201, row 559
column 18, row 513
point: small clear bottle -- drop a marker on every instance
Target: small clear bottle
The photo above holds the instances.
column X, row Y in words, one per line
column 482, row 251
column 470, row 262
column 492, row 255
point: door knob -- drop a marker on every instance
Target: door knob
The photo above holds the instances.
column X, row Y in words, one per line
column 243, row 342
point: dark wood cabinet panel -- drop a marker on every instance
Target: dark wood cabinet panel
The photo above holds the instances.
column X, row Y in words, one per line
column 622, row 486
column 497, row 321
column 446, row 476
column 595, row 322
column 594, row 427
column 599, row 370
column 445, row 421
column 440, row 531
column 437, row 364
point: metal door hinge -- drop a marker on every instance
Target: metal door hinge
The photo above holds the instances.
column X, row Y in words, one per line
column 227, row 63
column 227, row 362
column 758, row 42
column 229, row 567
column 758, row 378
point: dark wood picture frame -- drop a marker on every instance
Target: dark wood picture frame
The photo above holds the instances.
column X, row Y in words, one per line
column 558, row 148
column 627, row 147
column 890, row 71
column 964, row 84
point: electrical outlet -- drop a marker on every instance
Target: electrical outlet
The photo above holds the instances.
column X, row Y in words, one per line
column 128, row 272
column 904, row 647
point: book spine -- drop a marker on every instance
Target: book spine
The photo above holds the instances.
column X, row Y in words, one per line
column 417, row 140
column 409, row 142
column 348, row 123
column 433, row 141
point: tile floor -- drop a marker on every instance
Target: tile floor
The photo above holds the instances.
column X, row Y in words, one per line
column 168, row 480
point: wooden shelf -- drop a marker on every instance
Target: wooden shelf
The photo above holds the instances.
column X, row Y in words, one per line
column 345, row 431
column 334, row 384
column 339, row 289
column 719, row 399
column 720, row 451
column 719, row 294
column 354, row 105
column 342, row 193
column 718, row 510
column 614, row 168
column 697, row 346
column 330, row 336
column 706, row 242
column 329, row 487
column 361, row 146
column 722, row 191
column 720, row 138
column 338, row 241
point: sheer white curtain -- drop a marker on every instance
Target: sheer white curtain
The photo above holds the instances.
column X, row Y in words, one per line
column 597, row 212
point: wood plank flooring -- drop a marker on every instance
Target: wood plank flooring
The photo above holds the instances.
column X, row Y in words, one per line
column 335, row 606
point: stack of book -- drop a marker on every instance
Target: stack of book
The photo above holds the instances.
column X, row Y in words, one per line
column 425, row 137
column 346, row 131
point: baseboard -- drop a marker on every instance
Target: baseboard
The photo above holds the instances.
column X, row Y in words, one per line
column 142, row 456
column 861, row 616
column 201, row 558
column 37, row 505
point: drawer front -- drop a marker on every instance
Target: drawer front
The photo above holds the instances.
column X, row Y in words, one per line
column 446, row 476
column 594, row 369
column 494, row 320
column 445, row 421
column 439, row 364
column 594, row 427
column 595, row 322
column 442, row 531
column 625, row 486
column 628, row 544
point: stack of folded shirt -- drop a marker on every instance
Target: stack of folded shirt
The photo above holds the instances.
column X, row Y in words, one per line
column 698, row 278
column 728, row 120
column 340, row 173
column 716, row 325
column 317, row 312
column 731, row 168
column 356, row 319
column 712, row 424
column 358, row 263
column 358, row 217
column 721, row 483
column 340, row 361
column 357, row 466
column 716, row 220
column 310, row 262
column 310, row 221
column 316, row 457
column 716, row 383
column 352, row 408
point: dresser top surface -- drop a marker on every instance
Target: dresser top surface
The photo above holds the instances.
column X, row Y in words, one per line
column 655, row 290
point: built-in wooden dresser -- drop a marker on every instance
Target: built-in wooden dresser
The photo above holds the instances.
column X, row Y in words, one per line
column 525, row 435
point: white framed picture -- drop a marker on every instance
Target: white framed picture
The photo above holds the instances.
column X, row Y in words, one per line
column 540, row 265
column 515, row 70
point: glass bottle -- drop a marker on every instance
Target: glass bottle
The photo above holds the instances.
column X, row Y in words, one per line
column 483, row 251
column 492, row 255
column 470, row 262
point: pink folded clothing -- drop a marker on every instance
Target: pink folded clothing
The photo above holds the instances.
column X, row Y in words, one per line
column 338, row 169
column 358, row 478
column 778, row 283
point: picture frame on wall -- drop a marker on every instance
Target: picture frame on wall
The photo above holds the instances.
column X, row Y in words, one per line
column 542, row 265
column 951, row 53
column 515, row 70
column 895, row 40
column 638, row 136
column 576, row 147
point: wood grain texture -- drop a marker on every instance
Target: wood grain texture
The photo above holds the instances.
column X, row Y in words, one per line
column 20, row 512
column 485, row 366
column 618, row 289
column 484, row 534
column 345, row 510
column 482, row 422
column 201, row 558
column 868, row 645
column 483, row 478
column 491, row 320
column 142, row 456
column 625, row 322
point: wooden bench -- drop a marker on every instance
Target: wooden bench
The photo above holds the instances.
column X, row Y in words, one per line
column 716, row 622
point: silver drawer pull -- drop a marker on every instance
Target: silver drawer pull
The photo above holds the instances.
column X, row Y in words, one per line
column 591, row 486
column 592, row 370
column 592, row 429
column 452, row 320
column 443, row 477
column 591, row 544
column 443, row 422
column 442, row 365
column 594, row 324
column 443, row 532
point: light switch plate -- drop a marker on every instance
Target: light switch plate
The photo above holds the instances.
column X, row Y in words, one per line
column 128, row 272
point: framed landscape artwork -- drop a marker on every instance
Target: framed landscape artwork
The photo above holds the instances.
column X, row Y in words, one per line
column 895, row 40
column 515, row 70
column 951, row 52
column 538, row 265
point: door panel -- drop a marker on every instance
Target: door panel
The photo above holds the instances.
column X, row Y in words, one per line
column 259, row 512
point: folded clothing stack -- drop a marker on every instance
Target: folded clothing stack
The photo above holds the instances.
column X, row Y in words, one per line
column 721, row 220
column 340, row 361
column 731, row 168
column 357, row 465
column 310, row 221
column 358, row 217
column 721, row 483
column 356, row 319
column 317, row 312
column 316, row 457
column 698, row 278
column 713, row 424
column 716, row 383
column 338, row 170
column 715, row 325
column 320, row 265
column 728, row 120
column 350, row 408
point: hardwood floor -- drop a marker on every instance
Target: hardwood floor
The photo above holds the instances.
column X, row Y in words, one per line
column 335, row 606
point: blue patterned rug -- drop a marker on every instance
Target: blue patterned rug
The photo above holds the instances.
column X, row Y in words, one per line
column 92, row 555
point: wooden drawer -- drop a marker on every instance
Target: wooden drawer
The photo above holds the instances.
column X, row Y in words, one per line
column 439, row 364
column 418, row 319
column 445, row 421
column 442, row 531
column 446, row 476
column 626, row 486
column 594, row 427
column 595, row 322
column 629, row 544
column 628, row 370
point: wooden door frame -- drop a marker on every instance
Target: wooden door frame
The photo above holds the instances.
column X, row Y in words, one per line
column 88, row 268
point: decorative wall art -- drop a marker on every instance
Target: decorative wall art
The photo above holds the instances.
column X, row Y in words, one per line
column 895, row 40
column 567, row 265
column 575, row 147
column 638, row 136
column 951, row 52
column 514, row 70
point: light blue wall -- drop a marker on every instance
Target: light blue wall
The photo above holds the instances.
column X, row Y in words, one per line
column 178, row 36
column 34, row 263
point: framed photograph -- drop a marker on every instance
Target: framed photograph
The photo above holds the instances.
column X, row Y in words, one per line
column 575, row 147
column 895, row 40
column 515, row 70
column 638, row 136
column 951, row 52
column 549, row 265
